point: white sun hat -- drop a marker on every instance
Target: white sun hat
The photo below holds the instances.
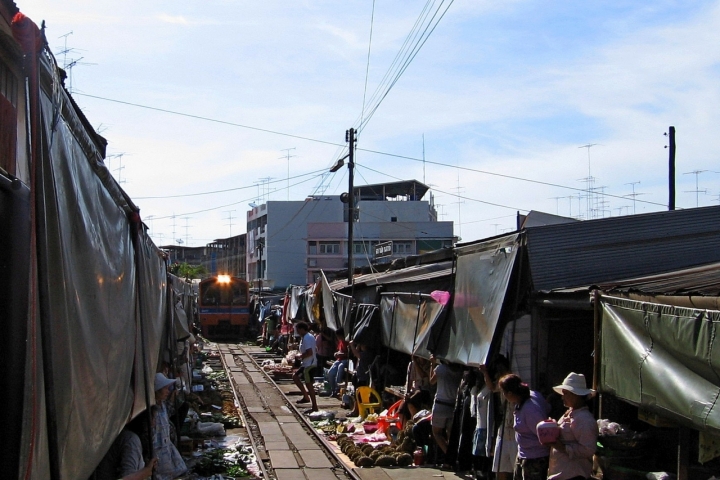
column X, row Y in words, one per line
column 575, row 383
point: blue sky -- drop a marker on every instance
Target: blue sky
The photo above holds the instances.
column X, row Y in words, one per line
column 509, row 88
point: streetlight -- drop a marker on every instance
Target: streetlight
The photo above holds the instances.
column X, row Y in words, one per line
column 351, row 139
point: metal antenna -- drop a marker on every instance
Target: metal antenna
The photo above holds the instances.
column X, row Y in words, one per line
column 120, row 167
column 557, row 204
column 633, row 194
column 65, row 49
column 288, row 156
column 697, row 189
column 230, row 222
column 590, row 182
column 459, row 202
column 186, row 229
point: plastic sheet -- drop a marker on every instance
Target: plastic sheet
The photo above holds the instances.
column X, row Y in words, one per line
column 662, row 358
column 406, row 322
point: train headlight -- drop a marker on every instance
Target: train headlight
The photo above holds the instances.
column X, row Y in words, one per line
column 223, row 278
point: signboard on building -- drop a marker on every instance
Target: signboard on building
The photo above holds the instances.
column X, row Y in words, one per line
column 384, row 249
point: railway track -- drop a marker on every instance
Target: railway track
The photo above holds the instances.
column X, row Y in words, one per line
column 286, row 444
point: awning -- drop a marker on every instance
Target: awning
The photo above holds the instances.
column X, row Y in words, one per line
column 407, row 320
column 481, row 281
column 662, row 358
column 415, row 273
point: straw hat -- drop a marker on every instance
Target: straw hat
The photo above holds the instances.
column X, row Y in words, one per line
column 575, row 383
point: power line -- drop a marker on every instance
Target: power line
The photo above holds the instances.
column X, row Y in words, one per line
column 222, row 206
column 207, row 119
column 231, row 189
column 367, row 67
column 502, row 175
column 343, row 146
column 409, row 58
column 456, row 195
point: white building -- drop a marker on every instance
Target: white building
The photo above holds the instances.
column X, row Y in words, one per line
column 290, row 242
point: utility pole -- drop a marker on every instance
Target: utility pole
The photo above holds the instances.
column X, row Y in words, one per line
column 671, row 168
column 288, row 156
column 351, row 139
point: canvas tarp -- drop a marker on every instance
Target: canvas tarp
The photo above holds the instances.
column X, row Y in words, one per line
column 328, row 304
column 662, row 358
column 481, row 280
column 406, row 322
column 101, row 303
column 367, row 324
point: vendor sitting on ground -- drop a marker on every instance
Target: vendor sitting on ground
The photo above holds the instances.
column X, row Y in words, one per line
column 308, row 364
column 170, row 464
column 126, row 457
column 336, row 374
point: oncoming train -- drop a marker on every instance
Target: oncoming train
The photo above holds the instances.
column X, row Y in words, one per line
column 223, row 306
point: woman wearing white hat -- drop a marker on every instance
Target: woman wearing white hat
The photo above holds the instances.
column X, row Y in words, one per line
column 571, row 456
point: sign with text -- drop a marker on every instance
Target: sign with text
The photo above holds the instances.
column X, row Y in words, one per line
column 384, row 249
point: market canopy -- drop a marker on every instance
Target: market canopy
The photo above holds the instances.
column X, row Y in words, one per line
column 662, row 358
column 482, row 276
column 407, row 320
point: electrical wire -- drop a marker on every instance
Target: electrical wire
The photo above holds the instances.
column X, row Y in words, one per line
column 413, row 33
column 367, row 67
column 343, row 148
column 208, row 119
column 413, row 53
column 449, row 193
column 501, row 175
column 221, row 206
column 231, row 189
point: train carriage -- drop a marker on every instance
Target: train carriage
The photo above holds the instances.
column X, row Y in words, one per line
column 223, row 306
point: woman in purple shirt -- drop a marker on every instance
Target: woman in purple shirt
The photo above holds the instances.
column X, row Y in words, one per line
column 530, row 409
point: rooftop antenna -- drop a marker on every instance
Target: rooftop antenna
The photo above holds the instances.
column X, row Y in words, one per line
column 173, row 225
column 633, row 194
column 590, row 181
column 120, row 168
column 152, row 224
column 570, row 199
column 69, row 67
column 557, row 204
column 423, row 136
column 321, row 186
column 230, row 222
column 697, row 190
column 288, row 156
column 186, row 229
column 65, row 49
column 459, row 202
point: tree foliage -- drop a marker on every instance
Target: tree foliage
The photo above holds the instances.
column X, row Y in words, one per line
column 187, row 271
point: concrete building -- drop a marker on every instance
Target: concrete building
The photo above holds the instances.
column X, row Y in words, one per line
column 290, row 242
column 222, row 256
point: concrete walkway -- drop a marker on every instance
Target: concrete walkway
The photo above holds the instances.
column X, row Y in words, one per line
column 293, row 451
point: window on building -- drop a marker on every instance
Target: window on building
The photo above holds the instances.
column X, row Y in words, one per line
column 402, row 248
column 329, row 248
column 312, row 248
column 364, row 248
column 312, row 262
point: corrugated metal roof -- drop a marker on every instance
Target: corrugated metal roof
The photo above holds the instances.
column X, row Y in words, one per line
column 703, row 280
column 601, row 251
column 415, row 273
